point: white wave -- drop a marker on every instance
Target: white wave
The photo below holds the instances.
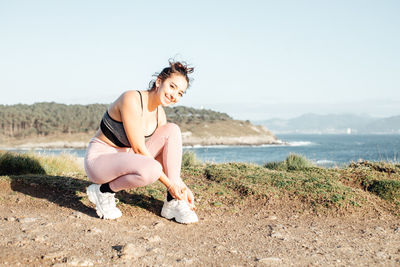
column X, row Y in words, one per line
column 208, row 146
column 324, row 161
column 300, row 143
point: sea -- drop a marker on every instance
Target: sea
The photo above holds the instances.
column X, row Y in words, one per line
column 322, row 149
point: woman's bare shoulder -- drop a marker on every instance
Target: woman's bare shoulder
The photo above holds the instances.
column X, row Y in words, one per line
column 128, row 100
column 130, row 97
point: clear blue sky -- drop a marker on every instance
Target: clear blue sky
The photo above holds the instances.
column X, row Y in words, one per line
column 253, row 59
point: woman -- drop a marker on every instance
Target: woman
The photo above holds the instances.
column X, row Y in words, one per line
column 135, row 146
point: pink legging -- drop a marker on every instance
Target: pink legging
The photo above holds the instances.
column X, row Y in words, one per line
column 125, row 169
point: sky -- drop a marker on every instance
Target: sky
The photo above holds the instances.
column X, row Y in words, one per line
column 253, row 59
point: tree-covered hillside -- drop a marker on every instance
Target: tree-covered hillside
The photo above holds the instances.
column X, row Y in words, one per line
column 42, row 119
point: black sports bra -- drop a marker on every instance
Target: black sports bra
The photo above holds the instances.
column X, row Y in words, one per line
column 114, row 130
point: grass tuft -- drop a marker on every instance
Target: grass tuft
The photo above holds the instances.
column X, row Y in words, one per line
column 189, row 159
column 293, row 162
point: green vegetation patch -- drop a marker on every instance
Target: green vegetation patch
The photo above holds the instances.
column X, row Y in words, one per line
column 246, row 179
column 189, row 159
column 17, row 164
column 386, row 189
column 380, row 178
column 316, row 186
column 293, row 162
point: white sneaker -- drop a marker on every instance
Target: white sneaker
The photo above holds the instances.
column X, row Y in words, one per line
column 105, row 202
column 179, row 210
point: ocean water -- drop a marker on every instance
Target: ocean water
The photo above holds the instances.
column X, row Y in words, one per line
column 323, row 150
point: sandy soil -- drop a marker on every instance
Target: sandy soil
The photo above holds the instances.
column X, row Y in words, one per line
column 54, row 228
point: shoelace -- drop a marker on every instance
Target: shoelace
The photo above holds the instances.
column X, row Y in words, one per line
column 183, row 206
column 109, row 201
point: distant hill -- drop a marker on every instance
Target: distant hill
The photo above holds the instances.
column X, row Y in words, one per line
column 45, row 120
column 333, row 124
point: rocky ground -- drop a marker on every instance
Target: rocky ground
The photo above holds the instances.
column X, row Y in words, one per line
column 41, row 227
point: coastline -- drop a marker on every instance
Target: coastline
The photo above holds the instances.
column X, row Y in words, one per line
column 253, row 140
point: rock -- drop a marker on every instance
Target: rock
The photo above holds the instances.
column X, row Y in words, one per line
column 270, row 260
column 10, row 219
column 40, row 238
column 152, row 239
column 396, row 230
column 27, row 220
column 185, row 261
column 53, row 255
column 218, row 247
column 272, row 218
column 379, row 229
column 381, row 255
column 94, row 230
column 76, row 214
column 158, row 224
column 130, row 251
column 277, row 235
column 74, row 261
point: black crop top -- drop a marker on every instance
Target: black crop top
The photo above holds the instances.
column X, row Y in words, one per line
column 114, row 130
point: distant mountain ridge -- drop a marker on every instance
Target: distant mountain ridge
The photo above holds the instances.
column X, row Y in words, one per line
column 333, row 124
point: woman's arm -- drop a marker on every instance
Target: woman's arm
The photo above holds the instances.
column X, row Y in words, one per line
column 131, row 116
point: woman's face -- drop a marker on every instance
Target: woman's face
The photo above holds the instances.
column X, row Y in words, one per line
column 171, row 89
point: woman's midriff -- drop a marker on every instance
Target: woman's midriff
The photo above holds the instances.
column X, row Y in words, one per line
column 99, row 134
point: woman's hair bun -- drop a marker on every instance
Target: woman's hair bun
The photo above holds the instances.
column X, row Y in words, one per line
column 181, row 67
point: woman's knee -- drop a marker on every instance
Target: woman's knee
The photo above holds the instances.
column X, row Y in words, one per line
column 173, row 129
column 150, row 171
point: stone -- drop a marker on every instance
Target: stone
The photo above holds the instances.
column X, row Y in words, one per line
column 272, row 218
column 10, row 219
column 53, row 255
column 130, row 251
column 152, row 239
column 158, row 224
column 270, row 260
column 74, row 261
column 277, row 235
column 27, row 220
column 381, row 255
column 94, row 230
column 76, row 214
column 185, row 261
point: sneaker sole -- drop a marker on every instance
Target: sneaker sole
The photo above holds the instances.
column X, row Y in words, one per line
column 168, row 214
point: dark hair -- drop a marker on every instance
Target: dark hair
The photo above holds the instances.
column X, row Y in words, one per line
column 177, row 67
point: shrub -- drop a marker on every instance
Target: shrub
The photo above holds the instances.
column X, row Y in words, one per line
column 297, row 162
column 292, row 163
column 16, row 164
column 189, row 159
column 386, row 189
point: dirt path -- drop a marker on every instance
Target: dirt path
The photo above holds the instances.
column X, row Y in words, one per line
column 38, row 231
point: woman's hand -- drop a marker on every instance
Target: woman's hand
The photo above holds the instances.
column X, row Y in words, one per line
column 176, row 191
column 189, row 197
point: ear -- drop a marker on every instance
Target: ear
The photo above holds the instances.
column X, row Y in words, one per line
column 158, row 82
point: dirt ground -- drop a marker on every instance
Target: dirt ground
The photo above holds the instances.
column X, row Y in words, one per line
column 45, row 228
